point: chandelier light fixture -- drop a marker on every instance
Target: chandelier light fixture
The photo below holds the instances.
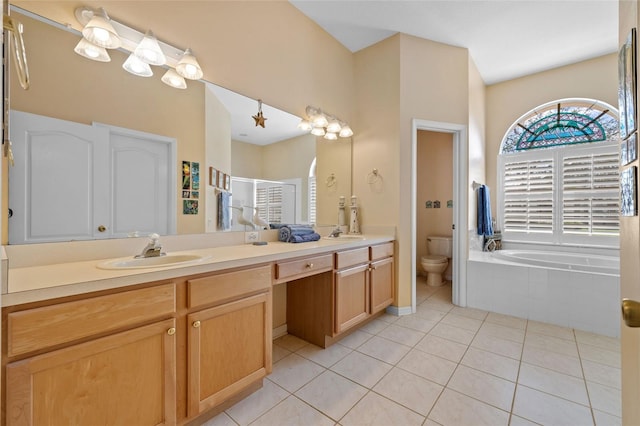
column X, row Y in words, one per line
column 321, row 123
column 100, row 33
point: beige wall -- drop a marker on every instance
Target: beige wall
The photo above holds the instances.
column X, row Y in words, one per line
column 246, row 160
column 334, row 158
column 477, row 141
column 508, row 101
column 217, row 153
column 434, row 182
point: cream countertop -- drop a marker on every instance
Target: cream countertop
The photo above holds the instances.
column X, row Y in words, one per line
column 34, row 283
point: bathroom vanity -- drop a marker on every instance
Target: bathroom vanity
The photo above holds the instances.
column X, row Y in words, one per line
column 175, row 344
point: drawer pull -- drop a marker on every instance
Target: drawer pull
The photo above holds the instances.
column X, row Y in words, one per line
column 309, row 265
column 196, row 324
column 171, row 331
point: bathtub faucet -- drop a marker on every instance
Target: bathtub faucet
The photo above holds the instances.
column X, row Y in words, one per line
column 490, row 245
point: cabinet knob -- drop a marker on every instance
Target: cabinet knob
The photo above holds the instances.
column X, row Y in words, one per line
column 196, row 324
column 102, row 228
column 171, row 331
column 309, row 265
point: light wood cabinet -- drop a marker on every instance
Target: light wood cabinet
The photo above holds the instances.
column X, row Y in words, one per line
column 382, row 284
column 126, row 378
column 352, row 297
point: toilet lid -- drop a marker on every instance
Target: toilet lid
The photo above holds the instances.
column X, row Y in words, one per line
column 434, row 258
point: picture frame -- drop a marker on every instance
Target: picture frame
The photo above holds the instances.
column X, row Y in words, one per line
column 632, row 148
column 213, row 175
column 218, row 179
column 227, row 182
column 627, row 83
column 628, row 192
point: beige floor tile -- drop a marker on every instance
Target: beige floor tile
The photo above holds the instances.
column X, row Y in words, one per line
column 602, row 374
column 388, row 318
column 409, row 390
column 429, row 366
column 506, row 320
column 498, row 365
column 551, row 330
column 403, row 335
column 331, row 394
column 470, row 313
column 375, row 326
column 293, row 412
column 415, row 322
column 362, row 369
column 430, row 422
column 498, row 346
column 279, row 352
column 502, row 331
column 604, row 419
column 450, row 332
column 258, row 403
column 437, row 305
column 600, row 355
column 552, row 360
column 551, row 343
column 427, row 312
column 554, row 383
column 384, row 350
column 447, row 349
column 221, row 419
column 355, row 339
column 604, row 342
column 453, row 408
column 482, row 386
column 605, row 399
column 294, row 371
column 325, row 357
column 547, row 409
column 462, row 322
column 290, row 342
column 374, row 409
column 519, row 421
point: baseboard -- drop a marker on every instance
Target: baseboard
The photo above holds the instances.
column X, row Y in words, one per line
column 279, row 331
column 399, row 311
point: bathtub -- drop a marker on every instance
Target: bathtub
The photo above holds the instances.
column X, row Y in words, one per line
column 575, row 290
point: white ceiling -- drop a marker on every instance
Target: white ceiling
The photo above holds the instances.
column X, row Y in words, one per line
column 506, row 38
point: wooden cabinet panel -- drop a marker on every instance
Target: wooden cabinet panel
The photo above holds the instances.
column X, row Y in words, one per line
column 382, row 284
column 48, row 326
column 294, row 269
column 126, row 379
column 347, row 258
column 229, row 348
column 226, row 286
column 381, row 251
column 351, row 297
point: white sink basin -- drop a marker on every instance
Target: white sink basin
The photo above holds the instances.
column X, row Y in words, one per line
column 345, row 238
column 152, row 262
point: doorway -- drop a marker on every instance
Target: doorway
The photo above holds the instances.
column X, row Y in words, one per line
column 460, row 203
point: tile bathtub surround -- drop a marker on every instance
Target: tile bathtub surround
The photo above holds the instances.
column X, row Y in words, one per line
column 444, row 365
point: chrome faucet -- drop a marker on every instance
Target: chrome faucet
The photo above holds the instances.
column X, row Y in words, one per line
column 153, row 248
column 336, row 232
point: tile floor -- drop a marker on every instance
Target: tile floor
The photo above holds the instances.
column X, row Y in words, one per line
column 443, row 365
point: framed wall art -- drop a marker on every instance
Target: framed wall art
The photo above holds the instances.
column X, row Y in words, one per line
column 627, row 83
column 628, row 192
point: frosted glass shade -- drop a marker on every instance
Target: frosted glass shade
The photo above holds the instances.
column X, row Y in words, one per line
column 173, row 79
column 100, row 32
column 334, row 126
column 305, row 125
column 331, row 136
column 149, row 51
column 318, row 131
column 346, row 132
column 136, row 67
column 188, row 66
column 91, row 51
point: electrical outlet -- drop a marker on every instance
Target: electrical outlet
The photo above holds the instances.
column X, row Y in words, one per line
column 251, row 237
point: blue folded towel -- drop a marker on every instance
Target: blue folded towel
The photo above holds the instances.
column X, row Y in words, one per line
column 485, row 227
column 304, row 238
column 289, row 233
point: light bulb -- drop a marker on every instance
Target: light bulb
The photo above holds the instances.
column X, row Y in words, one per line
column 331, row 136
column 346, row 131
column 318, row 131
column 333, row 126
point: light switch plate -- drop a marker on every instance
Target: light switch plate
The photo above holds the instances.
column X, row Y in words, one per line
column 251, row 237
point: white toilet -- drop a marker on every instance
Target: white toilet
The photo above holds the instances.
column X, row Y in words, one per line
column 439, row 251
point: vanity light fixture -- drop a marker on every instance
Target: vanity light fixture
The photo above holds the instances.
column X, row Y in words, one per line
column 91, row 51
column 320, row 123
column 102, row 32
column 174, row 79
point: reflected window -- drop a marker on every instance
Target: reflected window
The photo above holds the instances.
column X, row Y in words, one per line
column 312, row 193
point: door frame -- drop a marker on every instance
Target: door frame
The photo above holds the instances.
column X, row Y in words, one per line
column 460, row 205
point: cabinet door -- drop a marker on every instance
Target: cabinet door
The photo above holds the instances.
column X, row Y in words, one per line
column 382, row 285
column 352, row 297
column 229, row 349
column 128, row 378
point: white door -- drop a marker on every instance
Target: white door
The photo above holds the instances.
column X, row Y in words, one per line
column 74, row 181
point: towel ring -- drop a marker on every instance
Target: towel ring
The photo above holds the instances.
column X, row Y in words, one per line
column 373, row 177
column 331, row 180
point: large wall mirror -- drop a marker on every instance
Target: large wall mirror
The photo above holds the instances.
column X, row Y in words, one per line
column 203, row 124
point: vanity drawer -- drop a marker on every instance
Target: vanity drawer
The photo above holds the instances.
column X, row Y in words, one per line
column 304, row 267
column 347, row 258
column 40, row 328
column 226, row 286
column 381, row 251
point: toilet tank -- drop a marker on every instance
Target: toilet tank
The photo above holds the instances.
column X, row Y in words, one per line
column 441, row 245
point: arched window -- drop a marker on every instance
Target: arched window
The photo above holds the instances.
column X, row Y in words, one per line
column 558, row 179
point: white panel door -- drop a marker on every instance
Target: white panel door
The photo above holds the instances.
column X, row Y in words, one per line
column 53, row 185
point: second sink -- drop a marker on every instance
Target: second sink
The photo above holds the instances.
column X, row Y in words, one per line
column 151, row 262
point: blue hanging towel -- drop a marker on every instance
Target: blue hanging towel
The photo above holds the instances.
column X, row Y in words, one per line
column 224, row 219
column 485, row 226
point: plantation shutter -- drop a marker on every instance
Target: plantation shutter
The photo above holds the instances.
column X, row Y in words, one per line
column 528, row 196
column 312, row 199
column 269, row 200
column 590, row 190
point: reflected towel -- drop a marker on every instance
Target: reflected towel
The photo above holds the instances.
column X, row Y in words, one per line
column 485, row 227
column 224, row 218
column 287, row 232
column 304, row 238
